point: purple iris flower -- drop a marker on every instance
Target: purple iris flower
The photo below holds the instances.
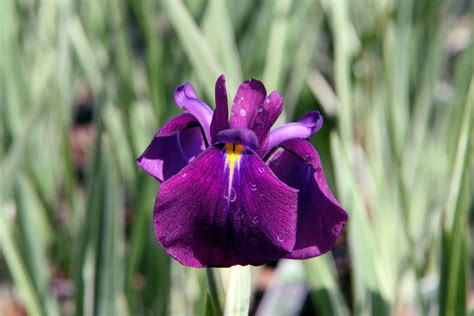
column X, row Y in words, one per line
column 235, row 193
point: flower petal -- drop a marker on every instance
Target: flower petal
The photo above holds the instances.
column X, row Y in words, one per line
column 175, row 144
column 225, row 208
column 243, row 136
column 268, row 113
column 307, row 125
column 220, row 119
column 247, row 102
column 187, row 99
column 320, row 217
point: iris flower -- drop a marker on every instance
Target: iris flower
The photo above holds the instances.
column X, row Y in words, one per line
column 235, row 193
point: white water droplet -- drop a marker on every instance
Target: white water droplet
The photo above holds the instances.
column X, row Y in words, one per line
column 260, row 110
column 336, row 229
column 243, row 112
column 184, row 175
column 255, row 220
column 241, row 98
column 233, row 195
column 261, row 169
column 280, row 239
column 267, row 101
column 253, row 187
column 239, row 214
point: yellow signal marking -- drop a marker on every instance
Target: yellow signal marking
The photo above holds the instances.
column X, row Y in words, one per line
column 232, row 159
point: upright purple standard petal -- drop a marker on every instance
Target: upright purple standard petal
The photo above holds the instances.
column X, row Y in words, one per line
column 307, row 125
column 268, row 113
column 220, row 119
column 320, row 217
column 175, row 144
column 187, row 99
column 247, row 102
column 226, row 208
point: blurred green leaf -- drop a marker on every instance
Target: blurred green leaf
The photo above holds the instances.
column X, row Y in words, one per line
column 195, row 45
column 322, row 278
column 18, row 270
column 208, row 308
column 453, row 285
column 275, row 61
column 219, row 32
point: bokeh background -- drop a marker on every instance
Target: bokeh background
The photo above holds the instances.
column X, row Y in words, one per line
column 85, row 84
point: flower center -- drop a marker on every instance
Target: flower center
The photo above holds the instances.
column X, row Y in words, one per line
column 233, row 154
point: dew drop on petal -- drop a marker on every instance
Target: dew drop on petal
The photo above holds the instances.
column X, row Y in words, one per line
column 233, row 195
column 243, row 112
column 255, row 220
column 336, row 229
column 261, row 169
column 184, row 175
column 280, row 239
column 239, row 214
column 253, row 187
column 267, row 101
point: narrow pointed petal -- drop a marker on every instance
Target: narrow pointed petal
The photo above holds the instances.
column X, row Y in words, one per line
column 187, row 99
column 268, row 113
column 225, row 208
column 304, row 128
column 220, row 119
column 247, row 102
column 175, row 144
column 320, row 217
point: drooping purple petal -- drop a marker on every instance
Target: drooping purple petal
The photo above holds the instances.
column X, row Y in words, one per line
column 187, row 99
column 243, row 136
column 247, row 102
column 225, row 208
column 220, row 119
column 175, row 144
column 307, row 125
column 267, row 114
column 320, row 217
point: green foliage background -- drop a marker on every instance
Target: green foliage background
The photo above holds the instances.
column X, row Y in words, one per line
column 394, row 80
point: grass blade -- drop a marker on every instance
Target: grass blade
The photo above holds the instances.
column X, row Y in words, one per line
column 219, row 31
column 273, row 72
column 324, row 286
column 17, row 267
column 198, row 50
column 454, row 272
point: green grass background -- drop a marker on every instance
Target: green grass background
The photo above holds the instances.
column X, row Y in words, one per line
column 393, row 79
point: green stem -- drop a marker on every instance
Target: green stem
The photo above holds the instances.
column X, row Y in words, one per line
column 211, row 279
